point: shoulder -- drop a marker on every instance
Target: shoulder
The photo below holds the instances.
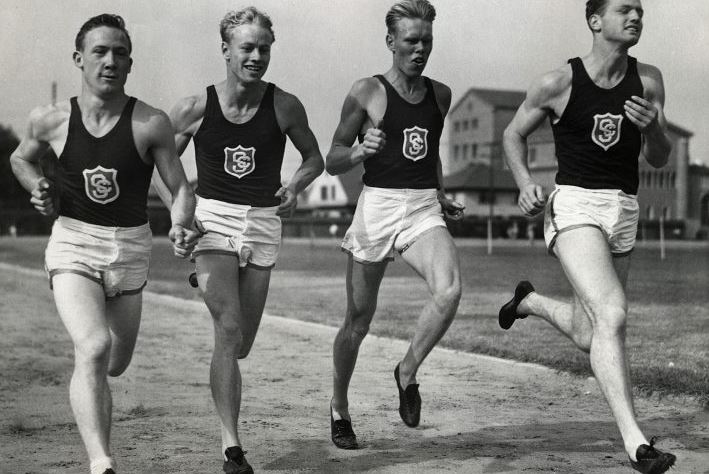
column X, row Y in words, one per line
column 45, row 120
column 149, row 116
column 285, row 102
column 549, row 86
column 363, row 90
column 651, row 78
column 189, row 109
column 443, row 93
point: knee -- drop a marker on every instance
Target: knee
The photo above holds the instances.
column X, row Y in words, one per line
column 610, row 322
column 447, row 297
column 228, row 336
column 356, row 325
column 93, row 350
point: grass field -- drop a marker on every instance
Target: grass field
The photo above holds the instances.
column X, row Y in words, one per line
column 668, row 328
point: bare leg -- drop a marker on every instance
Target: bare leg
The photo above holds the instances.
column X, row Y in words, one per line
column 235, row 298
column 435, row 258
column 587, row 263
column 363, row 282
column 81, row 306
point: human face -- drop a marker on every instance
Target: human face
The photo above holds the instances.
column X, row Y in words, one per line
column 622, row 21
column 248, row 52
column 104, row 60
column 411, row 44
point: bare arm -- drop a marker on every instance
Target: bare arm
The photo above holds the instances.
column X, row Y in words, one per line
column 342, row 156
column 291, row 114
column 647, row 113
column 185, row 117
column 25, row 160
column 182, row 202
column 451, row 208
column 533, row 111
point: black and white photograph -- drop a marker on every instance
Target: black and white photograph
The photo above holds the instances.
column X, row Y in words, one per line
column 334, row 236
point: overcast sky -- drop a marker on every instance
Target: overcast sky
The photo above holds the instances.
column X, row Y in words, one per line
column 322, row 46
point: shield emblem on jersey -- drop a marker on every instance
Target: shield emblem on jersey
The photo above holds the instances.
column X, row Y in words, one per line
column 239, row 161
column 606, row 130
column 415, row 143
column 101, row 184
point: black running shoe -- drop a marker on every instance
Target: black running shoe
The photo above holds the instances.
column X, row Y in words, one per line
column 409, row 401
column 508, row 312
column 236, row 462
column 193, row 280
column 342, row 434
column 651, row 460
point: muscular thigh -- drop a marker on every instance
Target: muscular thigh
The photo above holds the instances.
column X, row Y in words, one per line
column 218, row 277
column 81, row 306
column 587, row 262
column 434, row 256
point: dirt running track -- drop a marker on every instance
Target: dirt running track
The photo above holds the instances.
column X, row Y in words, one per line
column 480, row 414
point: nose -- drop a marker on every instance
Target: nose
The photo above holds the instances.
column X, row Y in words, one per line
column 635, row 15
column 110, row 60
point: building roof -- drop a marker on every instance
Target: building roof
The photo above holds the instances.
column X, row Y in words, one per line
column 498, row 98
column 477, row 176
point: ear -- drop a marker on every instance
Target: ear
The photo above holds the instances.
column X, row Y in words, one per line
column 594, row 22
column 225, row 51
column 130, row 64
column 78, row 59
column 390, row 42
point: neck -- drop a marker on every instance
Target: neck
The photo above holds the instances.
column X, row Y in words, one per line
column 99, row 105
column 606, row 59
column 242, row 94
column 407, row 84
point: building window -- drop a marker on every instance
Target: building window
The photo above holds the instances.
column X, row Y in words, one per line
column 456, row 126
column 333, row 192
column 323, row 193
column 465, row 124
column 486, row 197
column 672, row 180
column 475, row 150
column 456, row 152
column 474, row 123
column 666, row 214
column 465, row 151
column 650, row 212
column 661, row 178
column 470, row 106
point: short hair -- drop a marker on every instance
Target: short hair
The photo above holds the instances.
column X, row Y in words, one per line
column 409, row 9
column 246, row 16
column 105, row 19
column 595, row 7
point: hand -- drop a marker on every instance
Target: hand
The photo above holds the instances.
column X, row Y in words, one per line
column 373, row 141
column 642, row 113
column 289, row 200
column 452, row 209
column 183, row 240
column 531, row 199
column 42, row 199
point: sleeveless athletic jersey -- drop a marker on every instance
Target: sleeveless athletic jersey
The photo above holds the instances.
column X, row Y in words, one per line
column 597, row 147
column 103, row 180
column 413, row 132
column 240, row 163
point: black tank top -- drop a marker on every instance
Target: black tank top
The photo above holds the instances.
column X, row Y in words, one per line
column 413, row 132
column 597, row 147
column 240, row 163
column 103, row 180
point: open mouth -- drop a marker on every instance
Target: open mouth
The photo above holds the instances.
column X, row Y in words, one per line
column 633, row 29
column 253, row 68
column 418, row 61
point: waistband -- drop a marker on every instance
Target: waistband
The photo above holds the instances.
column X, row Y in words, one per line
column 76, row 225
column 597, row 192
